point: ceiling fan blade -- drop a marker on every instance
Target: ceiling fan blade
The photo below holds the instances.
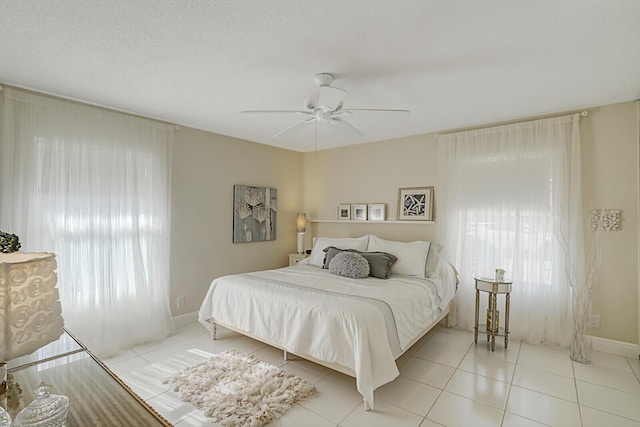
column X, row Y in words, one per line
column 275, row 112
column 330, row 98
column 346, row 126
column 379, row 110
column 294, row 127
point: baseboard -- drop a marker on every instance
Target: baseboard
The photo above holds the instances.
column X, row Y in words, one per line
column 185, row 319
column 619, row 348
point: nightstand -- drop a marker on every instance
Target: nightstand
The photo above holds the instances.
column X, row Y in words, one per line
column 295, row 258
column 492, row 327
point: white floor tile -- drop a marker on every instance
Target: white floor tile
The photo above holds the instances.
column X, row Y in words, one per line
column 408, row 394
column 509, row 354
column 552, row 360
column 429, row 423
column 299, row 416
column 543, row 382
column 594, row 418
column 543, row 408
column 332, row 400
column 617, row 402
column 427, row 372
column 306, row 374
column 610, row 371
column 164, row 352
column 513, row 420
column 170, row 406
column 384, row 415
column 453, row 410
column 480, row 389
column 192, row 329
column 457, row 341
column 488, row 366
column 441, row 354
column 124, row 367
column 122, row 355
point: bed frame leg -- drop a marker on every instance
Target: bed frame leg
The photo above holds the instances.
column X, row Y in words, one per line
column 367, row 406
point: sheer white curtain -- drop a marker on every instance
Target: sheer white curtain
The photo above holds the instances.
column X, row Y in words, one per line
column 93, row 186
column 510, row 197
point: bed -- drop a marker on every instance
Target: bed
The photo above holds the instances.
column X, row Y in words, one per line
column 356, row 326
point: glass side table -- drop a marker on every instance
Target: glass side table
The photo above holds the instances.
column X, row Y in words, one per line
column 492, row 326
column 98, row 397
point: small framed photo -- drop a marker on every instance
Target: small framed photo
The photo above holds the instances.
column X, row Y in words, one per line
column 359, row 212
column 415, row 203
column 344, row 212
column 376, row 211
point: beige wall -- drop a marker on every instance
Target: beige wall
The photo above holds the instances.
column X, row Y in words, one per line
column 205, row 168
column 368, row 173
column 374, row 172
column 610, row 181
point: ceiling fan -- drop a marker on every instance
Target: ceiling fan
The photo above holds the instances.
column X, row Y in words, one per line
column 326, row 107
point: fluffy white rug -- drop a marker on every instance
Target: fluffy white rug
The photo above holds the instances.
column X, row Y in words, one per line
column 235, row 389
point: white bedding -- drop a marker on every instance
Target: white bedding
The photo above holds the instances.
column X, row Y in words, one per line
column 311, row 312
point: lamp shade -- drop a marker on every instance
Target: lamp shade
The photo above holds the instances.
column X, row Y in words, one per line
column 301, row 222
column 30, row 311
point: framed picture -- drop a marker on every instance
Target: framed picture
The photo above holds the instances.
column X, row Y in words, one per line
column 359, row 212
column 376, row 211
column 415, row 204
column 254, row 213
column 344, row 212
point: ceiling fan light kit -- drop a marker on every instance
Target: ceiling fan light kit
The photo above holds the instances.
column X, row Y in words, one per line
column 326, row 107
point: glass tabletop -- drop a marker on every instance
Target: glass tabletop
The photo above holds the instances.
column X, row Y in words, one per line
column 97, row 396
column 66, row 344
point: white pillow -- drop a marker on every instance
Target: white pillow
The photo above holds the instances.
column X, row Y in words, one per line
column 412, row 257
column 432, row 258
column 318, row 254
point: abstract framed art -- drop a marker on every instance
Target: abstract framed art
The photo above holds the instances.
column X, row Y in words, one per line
column 415, row 204
column 254, row 213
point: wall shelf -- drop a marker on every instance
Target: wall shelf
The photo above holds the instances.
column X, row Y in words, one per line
column 389, row 221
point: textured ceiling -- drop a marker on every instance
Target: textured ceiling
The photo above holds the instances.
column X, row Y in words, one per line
column 453, row 64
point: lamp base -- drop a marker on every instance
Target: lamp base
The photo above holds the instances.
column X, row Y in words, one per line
column 300, row 243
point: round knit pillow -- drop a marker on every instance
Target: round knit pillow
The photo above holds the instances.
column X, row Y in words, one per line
column 349, row 264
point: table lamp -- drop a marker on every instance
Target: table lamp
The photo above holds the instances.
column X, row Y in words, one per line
column 301, row 224
column 30, row 311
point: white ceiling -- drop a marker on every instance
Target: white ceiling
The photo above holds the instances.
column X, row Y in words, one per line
column 453, row 64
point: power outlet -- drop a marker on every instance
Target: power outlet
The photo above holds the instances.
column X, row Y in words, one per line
column 595, row 320
column 180, row 302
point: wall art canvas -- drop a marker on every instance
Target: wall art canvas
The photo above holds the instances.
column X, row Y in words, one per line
column 254, row 213
column 415, row 203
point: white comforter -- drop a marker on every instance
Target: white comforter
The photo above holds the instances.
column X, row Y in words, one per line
column 309, row 311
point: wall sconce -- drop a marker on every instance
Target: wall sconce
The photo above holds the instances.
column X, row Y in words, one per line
column 301, row 224
column 605, row 220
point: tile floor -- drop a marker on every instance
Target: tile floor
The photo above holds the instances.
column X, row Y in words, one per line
column 444, row 380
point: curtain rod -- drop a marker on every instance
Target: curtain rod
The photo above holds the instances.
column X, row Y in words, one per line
column 584, row 113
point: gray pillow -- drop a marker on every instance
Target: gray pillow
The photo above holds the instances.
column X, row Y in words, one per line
column 379, row 262
column 332, row 251
column 349, row 264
